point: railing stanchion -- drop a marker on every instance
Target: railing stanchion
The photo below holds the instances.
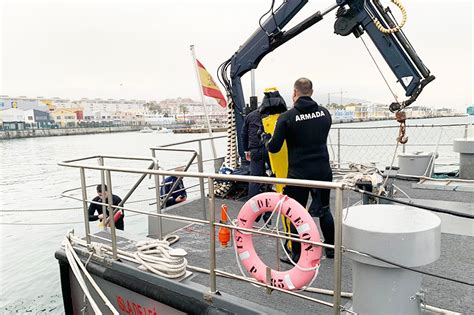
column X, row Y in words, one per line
column 201, row 181
column 84, row 205
column 212, row 221
column 465, row 131
column 158, row 203
column 111, row 214
column 339, row 148
column 338, row 253
column 102, row 183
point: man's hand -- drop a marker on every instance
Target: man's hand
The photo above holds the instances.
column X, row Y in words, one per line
column 265, row 137
column 101, row 216
column 247, row 155
column 180, row 199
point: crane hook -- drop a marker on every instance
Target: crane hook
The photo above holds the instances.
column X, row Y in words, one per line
column 401, row 118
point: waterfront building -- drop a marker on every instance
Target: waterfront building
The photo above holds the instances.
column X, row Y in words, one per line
column 64, row 117
column 360, row 110
column 110, row 105
column 126, row 118
column 37, row 119
column 377, row 111
column 187, row 110
column 342, row 115
column 440, row 112
column 13, row 119
column 470, row 110
column 415, row 111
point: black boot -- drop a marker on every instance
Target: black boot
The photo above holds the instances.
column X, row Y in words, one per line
column 329, row 253
column 284, row 258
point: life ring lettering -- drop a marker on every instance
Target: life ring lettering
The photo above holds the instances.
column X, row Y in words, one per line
column 300, row 275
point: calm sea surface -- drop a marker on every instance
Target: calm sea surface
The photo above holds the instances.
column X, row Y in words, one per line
column 31, row 180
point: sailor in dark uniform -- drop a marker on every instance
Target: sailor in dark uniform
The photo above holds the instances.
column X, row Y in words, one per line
column 96, row 208
column 255, row 151
column 305, row 128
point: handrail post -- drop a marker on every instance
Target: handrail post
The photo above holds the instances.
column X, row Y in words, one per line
column 158, row 203
column 135, row 186
column 102, row 183
column 465, row 131
column 84, row 205
column 338, row 253
column 212, row 219
column 339, row 148
column 111, row 220
column 201, row 181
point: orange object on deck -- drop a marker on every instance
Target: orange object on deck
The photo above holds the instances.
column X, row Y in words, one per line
column 224, row 233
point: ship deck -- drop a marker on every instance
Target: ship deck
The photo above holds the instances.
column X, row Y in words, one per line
column 457, row 246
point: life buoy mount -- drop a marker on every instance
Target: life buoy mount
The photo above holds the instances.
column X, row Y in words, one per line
column 307, row 267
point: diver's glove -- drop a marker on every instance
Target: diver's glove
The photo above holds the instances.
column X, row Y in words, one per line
column 265, row 137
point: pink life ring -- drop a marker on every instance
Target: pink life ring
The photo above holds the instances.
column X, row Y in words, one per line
column 293, row 279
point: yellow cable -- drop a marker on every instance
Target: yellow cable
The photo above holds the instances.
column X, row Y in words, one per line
column 397, row 28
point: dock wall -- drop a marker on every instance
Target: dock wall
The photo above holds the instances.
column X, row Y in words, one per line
column 31, row 133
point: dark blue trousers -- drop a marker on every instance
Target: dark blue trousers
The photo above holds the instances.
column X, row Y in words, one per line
column 258, row 157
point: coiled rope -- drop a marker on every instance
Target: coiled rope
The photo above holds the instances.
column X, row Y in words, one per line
column 395, row 29
column 222, row 187
column 158, row 257
column 155, row 256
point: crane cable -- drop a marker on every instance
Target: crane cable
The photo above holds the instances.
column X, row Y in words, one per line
column 380, row 70
column 400, row 116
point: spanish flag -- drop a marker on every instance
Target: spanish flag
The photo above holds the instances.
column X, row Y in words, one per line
column 209, row 87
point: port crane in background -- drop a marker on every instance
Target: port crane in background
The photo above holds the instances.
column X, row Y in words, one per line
column 353, row 17
column 341, row 92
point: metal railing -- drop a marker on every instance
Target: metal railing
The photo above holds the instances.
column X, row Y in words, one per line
column 209, row 212
column 200, row 163
column 362, row 144
column 211, row 221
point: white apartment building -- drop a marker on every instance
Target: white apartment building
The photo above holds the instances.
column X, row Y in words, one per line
column 110, row 105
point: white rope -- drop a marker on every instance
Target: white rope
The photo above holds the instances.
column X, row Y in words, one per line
column 362, row 172
column 391, row 164
column 155, row 256
column 73, row 262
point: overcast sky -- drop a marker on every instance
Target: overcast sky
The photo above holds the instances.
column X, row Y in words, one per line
column 140, row 49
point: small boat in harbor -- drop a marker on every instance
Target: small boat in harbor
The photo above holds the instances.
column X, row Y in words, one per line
column 146, row 130
column 164, row 130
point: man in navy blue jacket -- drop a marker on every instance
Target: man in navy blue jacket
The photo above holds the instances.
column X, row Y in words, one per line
column 254, row 149
column 179, row 193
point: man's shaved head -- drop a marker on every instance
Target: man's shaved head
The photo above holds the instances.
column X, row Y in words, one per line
column 304, row 87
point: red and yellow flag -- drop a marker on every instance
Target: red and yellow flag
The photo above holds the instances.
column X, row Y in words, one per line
column 209, row 87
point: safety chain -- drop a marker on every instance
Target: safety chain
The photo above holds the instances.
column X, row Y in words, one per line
column 401, row 118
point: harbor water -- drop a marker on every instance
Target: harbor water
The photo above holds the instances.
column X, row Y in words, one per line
column 31, row 181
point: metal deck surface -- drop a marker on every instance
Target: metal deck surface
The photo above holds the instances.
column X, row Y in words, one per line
column 457, row 248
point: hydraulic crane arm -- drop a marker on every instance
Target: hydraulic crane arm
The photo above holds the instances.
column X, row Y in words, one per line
column 353, row 17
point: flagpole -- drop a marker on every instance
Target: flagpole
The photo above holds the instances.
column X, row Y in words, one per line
column 203, row 101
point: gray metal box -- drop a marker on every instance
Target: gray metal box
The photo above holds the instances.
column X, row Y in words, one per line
column 416, row 163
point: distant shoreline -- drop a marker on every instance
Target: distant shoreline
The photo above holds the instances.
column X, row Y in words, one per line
column 34, row 133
